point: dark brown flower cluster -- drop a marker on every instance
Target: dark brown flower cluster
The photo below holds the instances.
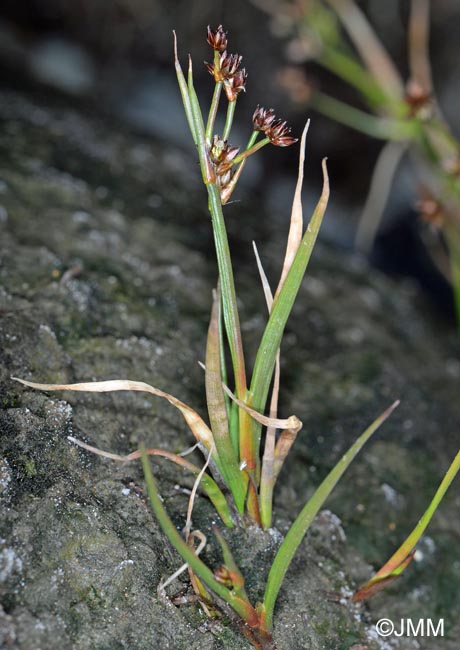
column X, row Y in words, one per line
column 222, row 156
column 275, row 130
column 236, row 84
column 226, row 67
column 218, row 39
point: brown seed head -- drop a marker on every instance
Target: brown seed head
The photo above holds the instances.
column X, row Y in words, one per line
column 278, row 134
column 229, row 64
column 263, row 118
column 236, row 84
column 218, row 39
column 226, row 66
column 222, row 153
column 223, row 179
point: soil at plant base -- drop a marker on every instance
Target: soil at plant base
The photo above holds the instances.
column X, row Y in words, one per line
column 103, row 275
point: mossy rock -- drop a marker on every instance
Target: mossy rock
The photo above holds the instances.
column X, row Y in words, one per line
column 99, row 281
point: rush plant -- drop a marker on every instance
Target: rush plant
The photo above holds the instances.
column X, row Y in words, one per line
column 244, row 461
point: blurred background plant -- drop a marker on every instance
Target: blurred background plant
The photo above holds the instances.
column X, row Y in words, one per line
column 403, row 112
column 116, row 54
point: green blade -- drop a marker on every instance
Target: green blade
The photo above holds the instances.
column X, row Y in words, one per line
column 184, row 92
column 300, row 526
column 186, row 552
column 271, row 339
column 218, row 412
column 207, row 170
column 401, row 558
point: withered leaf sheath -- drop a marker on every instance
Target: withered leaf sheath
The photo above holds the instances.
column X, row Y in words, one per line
column 218, row 39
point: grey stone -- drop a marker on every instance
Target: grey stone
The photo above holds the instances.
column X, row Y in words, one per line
column 99, row 281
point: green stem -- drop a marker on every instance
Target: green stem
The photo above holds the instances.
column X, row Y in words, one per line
column 232, row 322
column 207, row 170
column 230, row 308
column 218, row 418
column 252, row 139
column 239, row 605
column 376, row 127
column 184, row 92
column 248, row 152
column 213, row 111
column 357, row 76
column 229, row 119
column 378, row 62
column 227, row 192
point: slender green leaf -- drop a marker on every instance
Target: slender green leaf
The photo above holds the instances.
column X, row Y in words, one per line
column 300, row 526
column 234, row 427
column 223, row 363
column 205, row 574
column 184, row 92
column 353, row 72
column 218, row 412
column 267, row 476
column 269, row 472
column 207, row 170
column 231, row 566
column 401, row 558
column 271, row 339
column 232, row 322
column 378, row 62
column 383, row 128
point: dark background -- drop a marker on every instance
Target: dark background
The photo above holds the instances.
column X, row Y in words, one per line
column 115, row 57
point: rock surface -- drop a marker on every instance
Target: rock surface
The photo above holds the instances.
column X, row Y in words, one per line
column 104, row 274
